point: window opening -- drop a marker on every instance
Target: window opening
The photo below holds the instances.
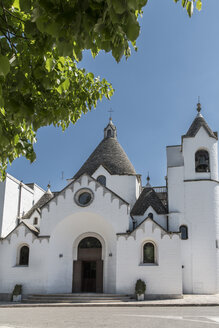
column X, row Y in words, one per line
column 90, row 242
column 35, row 221
column 184, row 232
column 24, row 255
column 102, row 180
column 148, row 253
column 109, row 133
column 202, row 161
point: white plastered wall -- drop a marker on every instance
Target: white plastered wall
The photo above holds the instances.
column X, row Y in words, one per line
column 189, row 148
column 201, row 214
column 126, row 186
column 2, row 198
column 195, row 203
column 38, row 193
column 162, row 278
column 161, row 219
column 31, row 277
column 66, row 223
column 201, row 207
column 11, row 199
column 9, row 202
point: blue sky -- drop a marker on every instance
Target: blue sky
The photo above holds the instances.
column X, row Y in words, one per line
column 156, row 92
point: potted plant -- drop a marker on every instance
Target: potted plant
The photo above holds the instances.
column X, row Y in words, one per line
column 17, row 292
column 140, row 288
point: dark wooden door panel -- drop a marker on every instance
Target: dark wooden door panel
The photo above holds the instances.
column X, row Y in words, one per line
column 77, row 266
column 99, row 276
column 89, row 254
column 89, row 273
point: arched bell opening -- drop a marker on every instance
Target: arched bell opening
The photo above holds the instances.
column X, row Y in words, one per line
column 88, row 269
column 202, row 161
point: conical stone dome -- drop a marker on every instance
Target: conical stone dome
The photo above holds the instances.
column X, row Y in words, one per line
column 109, row 154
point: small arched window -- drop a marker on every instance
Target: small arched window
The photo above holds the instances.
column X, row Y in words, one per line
column 150, row 215
column 35, row 221
column 109, row 133
column 102, row 179
column 148, row 253
column 90, row 242
column 202, row 161
column 184, row 232
column 24, row 255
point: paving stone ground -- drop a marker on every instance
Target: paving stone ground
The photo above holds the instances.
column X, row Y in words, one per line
column 187, row 300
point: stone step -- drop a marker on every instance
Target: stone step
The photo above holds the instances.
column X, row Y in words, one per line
column 72, row 301
column 79, row 295
column 76, row 298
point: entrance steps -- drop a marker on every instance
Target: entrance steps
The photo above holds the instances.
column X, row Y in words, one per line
column 77, row 298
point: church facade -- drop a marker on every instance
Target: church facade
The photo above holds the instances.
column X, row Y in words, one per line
column 104, row 230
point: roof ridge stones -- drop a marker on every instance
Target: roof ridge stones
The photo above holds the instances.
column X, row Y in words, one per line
column 199, row 122
column 38, row 205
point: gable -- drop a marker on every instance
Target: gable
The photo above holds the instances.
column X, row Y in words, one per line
column 147, row 198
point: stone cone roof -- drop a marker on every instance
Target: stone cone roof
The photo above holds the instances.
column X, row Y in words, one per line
column 148, row 197
column 199, row 122
column 111, row 155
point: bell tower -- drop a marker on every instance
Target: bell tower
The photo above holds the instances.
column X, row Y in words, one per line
column 201, row 207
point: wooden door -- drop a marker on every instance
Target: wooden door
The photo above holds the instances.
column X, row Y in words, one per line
column 99, row 276
column 77, row 266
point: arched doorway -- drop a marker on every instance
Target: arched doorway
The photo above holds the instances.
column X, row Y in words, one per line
column 88, row 269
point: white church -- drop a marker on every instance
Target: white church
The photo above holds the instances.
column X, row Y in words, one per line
column 104, row 230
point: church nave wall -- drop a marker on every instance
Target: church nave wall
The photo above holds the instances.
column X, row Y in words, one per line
column 32, row 277
column 162, row 277
column 104, row 203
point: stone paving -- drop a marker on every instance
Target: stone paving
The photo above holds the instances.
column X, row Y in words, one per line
column 187, row 300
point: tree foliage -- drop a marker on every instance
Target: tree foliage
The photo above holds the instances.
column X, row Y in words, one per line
column 189, row 5
column 41, row 42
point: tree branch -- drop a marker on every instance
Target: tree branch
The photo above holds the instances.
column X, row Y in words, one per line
column 6, row 21
column 8, row 12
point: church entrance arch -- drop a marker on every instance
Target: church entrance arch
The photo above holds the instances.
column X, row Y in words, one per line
column 88, row 268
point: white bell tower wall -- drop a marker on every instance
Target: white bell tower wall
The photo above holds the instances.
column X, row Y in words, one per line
column 201, row 204
column 202, row 141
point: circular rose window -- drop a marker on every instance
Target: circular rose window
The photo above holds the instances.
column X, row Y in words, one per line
column 84, row 197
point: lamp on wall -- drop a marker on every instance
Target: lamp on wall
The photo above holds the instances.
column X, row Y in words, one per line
column 110, row 254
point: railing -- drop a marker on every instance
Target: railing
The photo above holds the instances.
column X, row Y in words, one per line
column 160, row 189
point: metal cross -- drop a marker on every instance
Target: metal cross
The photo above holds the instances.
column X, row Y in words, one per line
column 110, row 111
column 199, row 105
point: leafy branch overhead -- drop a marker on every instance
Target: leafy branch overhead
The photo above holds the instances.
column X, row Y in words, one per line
column 190, row 5
column 41, row 42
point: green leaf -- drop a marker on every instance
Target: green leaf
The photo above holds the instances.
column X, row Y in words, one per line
column 25, row 5
column 132, row 27
column 49, row 64
column 4, row 65
column 184, row 2
column 132, row 4
column 16, row 4
column 119, row 6
column 16, row 139
column 189, row 8
column 53, row 29
column 64, row 86
column 199, row 5
column 143, row 3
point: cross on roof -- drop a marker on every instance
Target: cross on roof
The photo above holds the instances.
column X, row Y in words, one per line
column 199, row 105
column 110, row 111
